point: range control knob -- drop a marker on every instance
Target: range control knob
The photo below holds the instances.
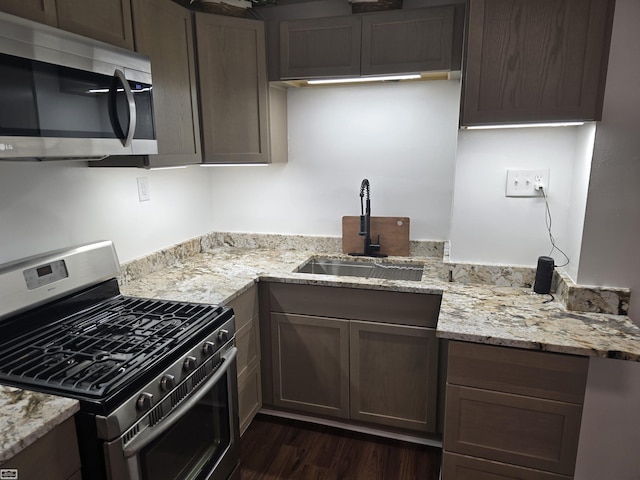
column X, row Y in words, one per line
column 189, row 363
column 208, row 349
column 144, row 402
column 223, row 336
column 167, row 382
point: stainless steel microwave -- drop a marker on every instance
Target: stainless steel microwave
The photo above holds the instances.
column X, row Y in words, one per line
column 64, row 96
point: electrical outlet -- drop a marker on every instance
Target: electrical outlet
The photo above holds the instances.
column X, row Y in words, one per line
column 526, row 183
column 143, row 189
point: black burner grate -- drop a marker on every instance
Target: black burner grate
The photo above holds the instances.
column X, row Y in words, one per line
column 95, row 351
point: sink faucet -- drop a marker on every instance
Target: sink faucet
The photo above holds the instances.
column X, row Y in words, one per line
column 365, row 223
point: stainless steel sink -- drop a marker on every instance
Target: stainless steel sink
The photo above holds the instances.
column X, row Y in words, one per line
column 352, row 268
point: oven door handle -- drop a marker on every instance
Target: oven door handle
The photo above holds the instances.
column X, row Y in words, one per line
column 154, row 432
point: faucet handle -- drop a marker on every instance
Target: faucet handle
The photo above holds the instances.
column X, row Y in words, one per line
column 375, row 246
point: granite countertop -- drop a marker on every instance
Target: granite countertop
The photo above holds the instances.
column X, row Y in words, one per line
column 483, row 313
column 497, row 315
column 27, row 416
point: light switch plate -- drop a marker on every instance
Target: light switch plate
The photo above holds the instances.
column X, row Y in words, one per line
column 522, row 183
column 143, row 189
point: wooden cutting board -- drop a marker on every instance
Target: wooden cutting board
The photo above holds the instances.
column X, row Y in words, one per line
column 393, row 231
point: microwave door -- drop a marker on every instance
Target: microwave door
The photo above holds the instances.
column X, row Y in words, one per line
column 122, row 108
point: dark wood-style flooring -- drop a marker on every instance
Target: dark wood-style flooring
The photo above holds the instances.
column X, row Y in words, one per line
column 281, row 449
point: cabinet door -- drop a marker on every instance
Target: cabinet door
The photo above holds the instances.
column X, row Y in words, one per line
column 54, row 456
column 163, row 31
column 105, row 20
column 43, row 11
column 233, row 89
column 394, row 372
column 407, row 41
column 535, row 61
column 461, row 467
column 526, row 431
column 320, row 47
column 311, row 364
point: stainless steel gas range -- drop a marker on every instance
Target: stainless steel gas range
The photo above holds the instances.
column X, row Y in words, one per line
column 156, row 379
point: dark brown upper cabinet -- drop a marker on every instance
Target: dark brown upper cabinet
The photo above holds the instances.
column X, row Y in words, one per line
column 535, row 61
column 105, row 20
column 108, row 21
column 320, row 47
column 164, row 32
column 42, row 11
column 233, row 89
column 407, row 41
column 400, row 41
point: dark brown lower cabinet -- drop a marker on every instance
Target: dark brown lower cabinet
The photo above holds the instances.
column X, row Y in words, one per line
column 360, row 356
column 311, row 364
column 511, row 413
column 245, row 308
column 393, row 371
column 54, row 456
column 462, row 467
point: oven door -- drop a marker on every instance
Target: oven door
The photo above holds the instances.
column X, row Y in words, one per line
column 199, row 440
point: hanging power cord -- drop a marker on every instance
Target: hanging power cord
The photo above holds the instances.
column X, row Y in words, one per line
column 548, row 222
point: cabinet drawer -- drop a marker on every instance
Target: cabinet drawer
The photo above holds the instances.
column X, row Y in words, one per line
column 461, row 467
column 525, row 431
column 248, row 343
column 552, row 376
column 420, row 310
column 249, row 395
column 245, row 306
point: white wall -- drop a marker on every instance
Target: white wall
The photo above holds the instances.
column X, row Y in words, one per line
column 49, row 205
column 578, row 199
column 402, row 137
column 487, row 226
column 610, row 253
column 610, row 431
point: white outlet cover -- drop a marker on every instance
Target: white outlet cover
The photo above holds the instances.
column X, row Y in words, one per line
column 521, row 183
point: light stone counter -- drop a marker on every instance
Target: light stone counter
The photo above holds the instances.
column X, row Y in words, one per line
column 476, row 312
column 498, row 315
column 27, row 416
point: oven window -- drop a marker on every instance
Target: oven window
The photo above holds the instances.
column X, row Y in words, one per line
column 192, row 447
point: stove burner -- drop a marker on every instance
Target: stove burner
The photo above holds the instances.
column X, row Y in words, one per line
column 96, row 351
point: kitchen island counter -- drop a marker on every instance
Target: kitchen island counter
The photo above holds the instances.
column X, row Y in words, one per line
column 482, row 313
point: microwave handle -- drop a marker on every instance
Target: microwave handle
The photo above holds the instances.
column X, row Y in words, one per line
column 131, row 104
column 139, row 443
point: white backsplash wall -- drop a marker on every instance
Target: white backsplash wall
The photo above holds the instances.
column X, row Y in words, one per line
column 487, row 226
column 49, row 205
column 402, row 137
column 578, row 200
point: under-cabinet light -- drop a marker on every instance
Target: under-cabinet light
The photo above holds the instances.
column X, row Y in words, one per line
column 234, row 164
column 168, row 168
column 525, row 125
column 329, row 81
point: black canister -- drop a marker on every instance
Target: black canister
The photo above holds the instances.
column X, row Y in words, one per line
column 544, row 275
